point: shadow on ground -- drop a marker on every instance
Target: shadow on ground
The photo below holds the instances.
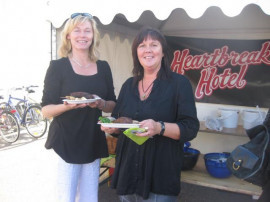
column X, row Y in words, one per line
column 190, row 193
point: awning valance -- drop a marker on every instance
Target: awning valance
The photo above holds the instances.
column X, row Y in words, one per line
column 105, row 10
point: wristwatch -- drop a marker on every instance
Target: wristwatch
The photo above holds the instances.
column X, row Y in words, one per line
column 162, row 128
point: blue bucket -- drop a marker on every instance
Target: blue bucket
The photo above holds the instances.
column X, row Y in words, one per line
column 215, row 164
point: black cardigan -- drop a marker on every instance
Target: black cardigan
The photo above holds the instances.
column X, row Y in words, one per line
column 75, row 135
column 154, row 166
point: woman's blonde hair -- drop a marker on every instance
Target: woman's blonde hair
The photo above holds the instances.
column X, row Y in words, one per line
column 65, row 47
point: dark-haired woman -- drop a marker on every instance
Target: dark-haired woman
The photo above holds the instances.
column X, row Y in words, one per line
column 164, row 104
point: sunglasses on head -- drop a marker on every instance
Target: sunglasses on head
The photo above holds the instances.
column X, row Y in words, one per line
column 74, row 15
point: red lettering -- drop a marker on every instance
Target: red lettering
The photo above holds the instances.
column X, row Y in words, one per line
column 223, row 78
column 197, row 61
column 243, row 58
column 224, row 57
column 214, row 57
column 255, row 57
column 210, row 81
column 215, row 83
column 232, row 80
column 187, row 62
column 178, row 59
column 251, row 58
column 241, row 82
column 206, row 62
column 264, row 53
column 203, row 87
column 234, row 58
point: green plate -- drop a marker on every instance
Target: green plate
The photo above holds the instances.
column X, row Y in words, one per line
column 131, row 133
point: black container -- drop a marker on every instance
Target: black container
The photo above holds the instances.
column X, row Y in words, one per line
column 190, row 158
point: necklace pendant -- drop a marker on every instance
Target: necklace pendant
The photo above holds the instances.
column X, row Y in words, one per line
column 143, row 96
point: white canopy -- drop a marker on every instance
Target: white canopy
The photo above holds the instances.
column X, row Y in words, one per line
column 105, row 10
column 246, row 19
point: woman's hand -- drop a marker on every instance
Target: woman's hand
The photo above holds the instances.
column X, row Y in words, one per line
column 152, row 128
column 95, row 104
column 110, row 130
column 101, row 104
column 74, row 106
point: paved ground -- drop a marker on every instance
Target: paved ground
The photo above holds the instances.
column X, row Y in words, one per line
column 27, row 171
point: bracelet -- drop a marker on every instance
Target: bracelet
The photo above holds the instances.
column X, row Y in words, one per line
column 162, row 128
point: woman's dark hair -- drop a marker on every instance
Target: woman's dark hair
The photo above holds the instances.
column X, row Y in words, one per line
column 155, row 34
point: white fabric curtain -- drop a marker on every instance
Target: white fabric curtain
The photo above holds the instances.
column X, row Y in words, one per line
column 116, row 50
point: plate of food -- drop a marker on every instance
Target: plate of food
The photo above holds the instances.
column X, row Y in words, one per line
column 120, row 125
column 80, row 98
column 80, row 101
column 122, row 122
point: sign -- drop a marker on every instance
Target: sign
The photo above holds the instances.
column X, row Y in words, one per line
column 235, row 72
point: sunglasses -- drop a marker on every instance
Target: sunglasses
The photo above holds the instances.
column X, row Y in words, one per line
column 74, row 15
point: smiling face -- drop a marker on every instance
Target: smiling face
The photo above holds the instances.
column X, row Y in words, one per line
column 150, row 54
column 81, row 36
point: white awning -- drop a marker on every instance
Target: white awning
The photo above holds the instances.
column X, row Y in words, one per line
column 106, row 10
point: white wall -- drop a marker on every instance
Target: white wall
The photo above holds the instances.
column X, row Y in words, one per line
column 24, row 43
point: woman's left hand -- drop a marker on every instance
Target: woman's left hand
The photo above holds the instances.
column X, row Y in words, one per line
column 94, row 104
column 152, row 128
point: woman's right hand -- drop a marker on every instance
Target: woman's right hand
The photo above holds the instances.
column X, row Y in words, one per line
column 74, row 106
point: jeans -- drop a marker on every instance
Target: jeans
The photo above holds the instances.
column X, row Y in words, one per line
column 152, row 198
column 77, row 182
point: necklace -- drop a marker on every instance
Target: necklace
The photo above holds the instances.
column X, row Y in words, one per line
column 80, row 64
column 145, row 94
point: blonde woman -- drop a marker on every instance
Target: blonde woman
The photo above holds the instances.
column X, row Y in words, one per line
column 74, row 134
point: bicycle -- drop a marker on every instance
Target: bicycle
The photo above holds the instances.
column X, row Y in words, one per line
column 28, row 114
column 9, row 126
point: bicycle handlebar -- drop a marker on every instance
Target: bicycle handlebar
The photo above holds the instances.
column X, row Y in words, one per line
column 27, row 88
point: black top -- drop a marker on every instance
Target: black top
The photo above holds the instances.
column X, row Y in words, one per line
column 154, row 166
column 75, row 134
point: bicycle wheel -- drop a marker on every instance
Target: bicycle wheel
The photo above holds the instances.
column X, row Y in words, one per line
column 9, row 127
column 35, row 123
